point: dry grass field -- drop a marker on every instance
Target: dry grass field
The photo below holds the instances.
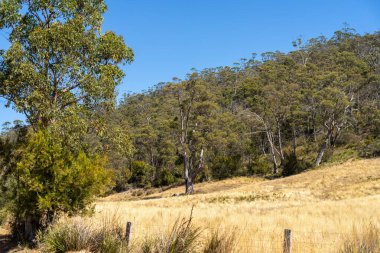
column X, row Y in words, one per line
column 322, row 207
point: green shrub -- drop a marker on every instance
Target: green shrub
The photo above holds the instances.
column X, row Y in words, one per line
column 141, row 174
column 3, row 216
column 292, row 165
column 204, row 175
column 261, row 166
column 49, row 180
column 225, row 166
column 370, row 148
column 343, row 154
column 122, row 177
column 165, row 178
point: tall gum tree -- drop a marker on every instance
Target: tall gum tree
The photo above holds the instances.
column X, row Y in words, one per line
column 58, row 57
column 58, row 67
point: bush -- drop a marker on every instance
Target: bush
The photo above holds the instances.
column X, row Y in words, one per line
column 122, row 177
column 165, row 178
column 4, row 213
column 343, row 154
column 141, row 174
column 225, row 166
column 370, row 148
column 3, row 217
column 204, row 175
column 49, row 180
column 261, row 166
column 76, row 235
column 292, row 165
column 366, row 241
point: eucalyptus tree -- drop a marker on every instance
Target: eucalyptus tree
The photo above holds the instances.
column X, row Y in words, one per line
column 59, row 69
column 194, row 106
column 58, row 57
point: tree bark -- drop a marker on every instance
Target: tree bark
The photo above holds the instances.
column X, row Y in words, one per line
column 280, row 142
column 294, row 142
column 30, row 229
column 272, row 150
column 188, row 182
column 189, row 186
column 314, row 128
column 321, row 152
column 191, row 172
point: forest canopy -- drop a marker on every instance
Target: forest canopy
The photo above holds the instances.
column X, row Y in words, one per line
column 280, row 113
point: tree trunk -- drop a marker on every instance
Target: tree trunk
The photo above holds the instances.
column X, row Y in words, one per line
column 280, row 142
column 314, row 128
column 31, row 225
column 294, row 142
column 191, row 173
column 321, row 152
column 189, row 186
column 188, row 183
column 272, row 151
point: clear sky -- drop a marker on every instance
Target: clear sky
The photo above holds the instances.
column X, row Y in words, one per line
column 169, row 37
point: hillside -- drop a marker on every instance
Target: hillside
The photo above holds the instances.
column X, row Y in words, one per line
column 352, row 179
column 321, row 207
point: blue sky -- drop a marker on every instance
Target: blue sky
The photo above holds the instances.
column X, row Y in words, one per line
column 169, row 37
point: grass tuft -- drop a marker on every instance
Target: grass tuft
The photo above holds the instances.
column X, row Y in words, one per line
column 365, row 241
column 182, row 238
column 220, row 242
column 76, row 235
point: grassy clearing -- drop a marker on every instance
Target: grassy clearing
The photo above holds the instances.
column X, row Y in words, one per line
column 321, row 207
column 328, row 210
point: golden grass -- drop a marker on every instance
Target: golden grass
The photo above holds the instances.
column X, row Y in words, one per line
column 320, row 206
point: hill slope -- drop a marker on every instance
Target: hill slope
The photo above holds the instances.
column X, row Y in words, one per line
column 348, row 180
column 321, row 207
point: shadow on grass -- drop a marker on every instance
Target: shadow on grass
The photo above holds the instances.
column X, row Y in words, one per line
column 7, row 243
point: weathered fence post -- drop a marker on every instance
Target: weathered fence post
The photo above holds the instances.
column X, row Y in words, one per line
column 287, row 241
column 128, row 232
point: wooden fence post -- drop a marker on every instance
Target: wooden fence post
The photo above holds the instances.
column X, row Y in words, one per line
column 128, row 232
column 287, row 241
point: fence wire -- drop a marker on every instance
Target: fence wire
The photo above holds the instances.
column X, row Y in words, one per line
column 254, row 240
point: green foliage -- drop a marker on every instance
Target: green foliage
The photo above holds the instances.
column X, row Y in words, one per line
column 260, row 166
column 292, row 165
column 50, row 180
column 3, row 216
column 342, row 154
column 141, row 174
column 323, row 96
column 165, row 178
column 58, row 58
column 224, row 167
column 122, row 177
column 370, row 148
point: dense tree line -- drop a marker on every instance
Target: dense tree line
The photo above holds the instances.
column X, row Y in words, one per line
column 280, row 114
